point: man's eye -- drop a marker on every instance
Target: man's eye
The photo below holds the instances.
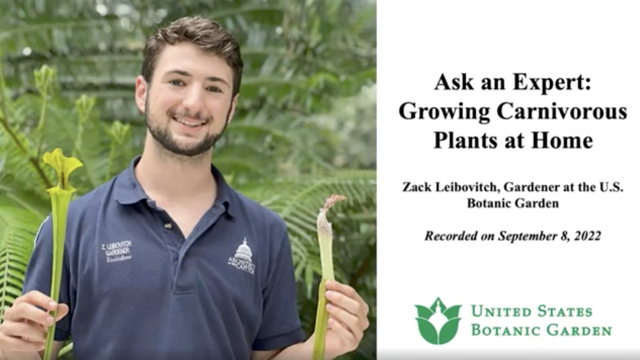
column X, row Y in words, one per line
column 214, row 89
column 176, row 82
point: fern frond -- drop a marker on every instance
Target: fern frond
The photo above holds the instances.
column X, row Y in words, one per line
column 285, row 145
column 298, row 200
column 18, row 166
column 310, row 190
column 18, row 228
column 25, row 198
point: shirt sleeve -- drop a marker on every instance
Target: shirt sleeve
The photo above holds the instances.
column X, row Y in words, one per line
column 38, row 275
column 281, row 325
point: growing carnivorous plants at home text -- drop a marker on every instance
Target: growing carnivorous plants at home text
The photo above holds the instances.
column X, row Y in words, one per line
column 60, row 199
column 325, row 241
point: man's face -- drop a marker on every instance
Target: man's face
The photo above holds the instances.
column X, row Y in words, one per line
column 189, row 100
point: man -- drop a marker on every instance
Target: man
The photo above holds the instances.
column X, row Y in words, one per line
column 166, row 260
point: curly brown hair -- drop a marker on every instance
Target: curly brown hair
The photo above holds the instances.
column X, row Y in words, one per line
column 205, row 33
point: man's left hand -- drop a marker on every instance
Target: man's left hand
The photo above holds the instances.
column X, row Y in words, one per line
column 347, row 319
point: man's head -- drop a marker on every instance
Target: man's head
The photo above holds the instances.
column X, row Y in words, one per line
column 191, row 75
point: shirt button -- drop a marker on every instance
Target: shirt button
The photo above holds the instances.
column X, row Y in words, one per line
column 168, row 226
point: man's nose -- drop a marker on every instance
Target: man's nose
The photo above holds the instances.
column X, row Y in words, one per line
column 194, row 101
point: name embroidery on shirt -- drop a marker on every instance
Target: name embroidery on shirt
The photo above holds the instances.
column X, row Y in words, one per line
column 117, row 251
column 242, row 259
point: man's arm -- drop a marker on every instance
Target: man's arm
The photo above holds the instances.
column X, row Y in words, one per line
column 280, row 325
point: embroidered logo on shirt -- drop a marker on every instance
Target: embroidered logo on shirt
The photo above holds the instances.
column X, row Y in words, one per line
column 117, row 251
column 242, row 259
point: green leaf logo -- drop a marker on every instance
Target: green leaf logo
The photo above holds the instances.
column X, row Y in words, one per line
column 426, row 318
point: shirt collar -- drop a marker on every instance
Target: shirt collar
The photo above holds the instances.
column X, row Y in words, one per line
column 128, row 191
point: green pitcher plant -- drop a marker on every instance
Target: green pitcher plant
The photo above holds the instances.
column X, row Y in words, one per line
column 60, row 199
column 325, row 241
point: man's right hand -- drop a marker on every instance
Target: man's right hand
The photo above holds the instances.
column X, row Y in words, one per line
column 25, row 324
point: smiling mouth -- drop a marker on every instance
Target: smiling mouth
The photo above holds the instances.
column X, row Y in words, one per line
column 190, row 123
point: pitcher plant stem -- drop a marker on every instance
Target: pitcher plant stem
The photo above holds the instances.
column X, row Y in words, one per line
column 325, row 241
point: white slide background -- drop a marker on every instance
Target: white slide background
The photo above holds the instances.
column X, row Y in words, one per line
column 417, row 42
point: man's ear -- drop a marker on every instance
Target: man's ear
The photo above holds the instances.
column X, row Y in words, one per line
column 232, row 109
column 141, row 93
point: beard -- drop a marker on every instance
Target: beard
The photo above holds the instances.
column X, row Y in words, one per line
column 163, row 135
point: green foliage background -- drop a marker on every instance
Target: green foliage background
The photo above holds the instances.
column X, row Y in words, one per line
column 304, row 129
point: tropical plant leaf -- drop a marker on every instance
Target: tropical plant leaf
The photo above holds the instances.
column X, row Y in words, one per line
column 17, row 235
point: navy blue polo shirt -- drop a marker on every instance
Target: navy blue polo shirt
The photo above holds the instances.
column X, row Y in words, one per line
column 137, row 289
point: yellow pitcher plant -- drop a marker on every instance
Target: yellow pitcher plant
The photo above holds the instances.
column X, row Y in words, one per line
column 60, row 199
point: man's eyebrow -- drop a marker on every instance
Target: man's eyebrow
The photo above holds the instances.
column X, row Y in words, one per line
column 184, row 73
